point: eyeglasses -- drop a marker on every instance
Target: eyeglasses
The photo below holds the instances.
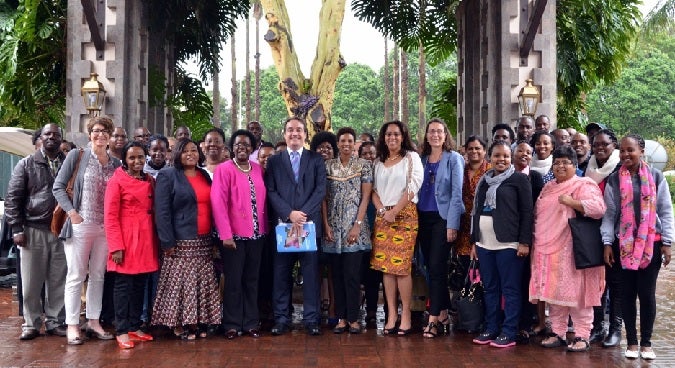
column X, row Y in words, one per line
column 562, row 163
column 100, row 131
column 435, row 131
column 242, row 145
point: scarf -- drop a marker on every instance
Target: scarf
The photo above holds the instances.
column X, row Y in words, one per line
column 598, row 174
column 494, row 181
column 541, row 166
column 636, row 248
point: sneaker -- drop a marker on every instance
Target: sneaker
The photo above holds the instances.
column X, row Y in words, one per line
column 631, row 354
column 503, row 342
column 484, row 338
column 647, row 355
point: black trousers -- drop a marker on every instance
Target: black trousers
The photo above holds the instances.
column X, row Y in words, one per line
column 432, row 238
column 128, row 301
column 242, row 272
column 347, row 284
column 641, row 284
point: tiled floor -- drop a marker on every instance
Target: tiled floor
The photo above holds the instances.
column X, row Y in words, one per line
column 296, row 349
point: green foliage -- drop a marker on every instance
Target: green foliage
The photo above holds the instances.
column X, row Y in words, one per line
column 593, row 41
column 32, row 63
column 272, row 107
column 661, row 18
column 445, row 104
column 400, row 21
column 198, row 28
column 642, row 100
column 190, row 105
column 669, row 144
column 358, row 99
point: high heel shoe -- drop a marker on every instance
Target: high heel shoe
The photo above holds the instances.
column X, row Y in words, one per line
column 431, row 330
column 101, row 336
column 444, row 326
column 124, row 344
column 134, row 336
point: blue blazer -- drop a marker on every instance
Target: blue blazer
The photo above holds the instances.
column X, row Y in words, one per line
column 285, row 195
column 448, row 187
column 175, row 206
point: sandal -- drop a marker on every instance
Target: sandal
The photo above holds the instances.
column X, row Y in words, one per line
column 430, row 331
column 444, row 326
column 390, row 331
column 571, row 347
column 553, row 344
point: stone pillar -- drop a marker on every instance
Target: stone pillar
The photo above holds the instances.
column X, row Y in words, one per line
column 490, row 71
column 122, row 67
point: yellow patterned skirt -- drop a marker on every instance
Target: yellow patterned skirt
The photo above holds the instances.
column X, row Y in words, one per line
column 394, row 243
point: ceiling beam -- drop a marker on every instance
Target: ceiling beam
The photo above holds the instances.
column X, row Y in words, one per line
column 532, row 27
column 95, row 16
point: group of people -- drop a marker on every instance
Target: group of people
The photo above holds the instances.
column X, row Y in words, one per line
column 171, row 222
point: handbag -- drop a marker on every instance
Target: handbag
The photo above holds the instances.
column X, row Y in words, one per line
column 456, row 272
column 586, row 241
column 305, row 242
column 59, row 216
column 470, row 305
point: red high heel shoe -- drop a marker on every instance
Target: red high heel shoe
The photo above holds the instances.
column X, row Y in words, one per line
column 124, row 344
column 136, row 337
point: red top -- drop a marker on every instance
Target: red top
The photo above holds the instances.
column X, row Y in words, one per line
column 129, row 223
column 203, row 193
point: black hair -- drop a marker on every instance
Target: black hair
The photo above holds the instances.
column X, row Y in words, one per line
column 506, row 127
column 280, row 143
column 126, row 149
column 301, row 120
column 216, row 130
column 499, row 142
column 178, row 152
column 406, row 143
column 321, row 137
column 638, row 138
column 36, row 135
column 566, row 152
column 244, row 132
column 158, row 137
column 475, row 138
column 266, row 144
column 370, row 136
column 345, row 130
column 609, row 133
column 364, row 145
column 538, row 134
column 70, row 144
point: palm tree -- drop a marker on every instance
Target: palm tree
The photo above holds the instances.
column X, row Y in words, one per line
column 247, row 75
column 397, row 100
column 257, row 14
column 421, row 114
column 661, row 17
column 387, row 86
column 216, row 98
column 405, row 110
column 235, row 87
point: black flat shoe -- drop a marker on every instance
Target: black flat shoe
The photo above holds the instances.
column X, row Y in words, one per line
column 29, row 334
column 355, row 329
column 339, row 329
column 57, row 331
column 313, row 330
column 279, row 329
column 231, row 334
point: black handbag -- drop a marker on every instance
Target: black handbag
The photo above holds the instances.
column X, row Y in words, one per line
column 470, row 305
column 456, row 272
column 586, row 241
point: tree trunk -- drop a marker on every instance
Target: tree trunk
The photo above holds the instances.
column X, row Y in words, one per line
column 216, row 99
column 257, row 13
column 421, row 117
column 235, row 87
column 248, row 71
column 310, row 99
column 397, row 100
column 387, row 86
column 405, row 110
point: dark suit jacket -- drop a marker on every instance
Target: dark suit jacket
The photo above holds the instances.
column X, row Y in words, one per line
column 513, row 217
column 175, row 206
column 285, row 195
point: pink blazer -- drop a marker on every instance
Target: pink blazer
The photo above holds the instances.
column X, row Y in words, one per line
column 231, row 200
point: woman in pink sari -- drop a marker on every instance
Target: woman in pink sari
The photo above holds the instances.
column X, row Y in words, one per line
column 555, row 279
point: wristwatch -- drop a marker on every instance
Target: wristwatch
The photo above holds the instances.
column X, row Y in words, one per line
column 358, row 222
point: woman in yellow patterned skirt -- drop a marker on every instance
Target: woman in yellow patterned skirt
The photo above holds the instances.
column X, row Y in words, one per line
column 398, row 175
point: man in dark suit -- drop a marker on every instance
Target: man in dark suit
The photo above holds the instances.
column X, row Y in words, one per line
column 296, row 184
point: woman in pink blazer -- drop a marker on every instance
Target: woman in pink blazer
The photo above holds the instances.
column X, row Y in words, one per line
column 238, row 197
column 132, row 244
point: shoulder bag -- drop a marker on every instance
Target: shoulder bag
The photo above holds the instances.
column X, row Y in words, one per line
column 586, row 241
column 59, row 216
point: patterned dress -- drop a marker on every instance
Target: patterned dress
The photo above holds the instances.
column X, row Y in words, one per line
column 343, row 198
column 469, row 186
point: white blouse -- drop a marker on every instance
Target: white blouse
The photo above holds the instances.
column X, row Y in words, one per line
column 390, row 182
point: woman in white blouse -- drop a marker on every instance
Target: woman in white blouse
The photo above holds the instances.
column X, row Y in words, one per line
column 398, row 175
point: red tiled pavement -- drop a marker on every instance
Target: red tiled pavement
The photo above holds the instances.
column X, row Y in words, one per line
column 297, row 349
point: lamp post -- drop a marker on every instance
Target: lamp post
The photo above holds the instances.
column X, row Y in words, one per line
column 93, row 95
column 528, row 98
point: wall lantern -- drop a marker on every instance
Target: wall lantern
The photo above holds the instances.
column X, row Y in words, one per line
column 528, row 98
column 93, row 95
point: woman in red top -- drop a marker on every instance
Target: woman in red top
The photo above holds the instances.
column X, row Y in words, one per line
column 187, row 293
column 132, row 252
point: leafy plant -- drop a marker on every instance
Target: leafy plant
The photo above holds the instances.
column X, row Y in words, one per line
column 190, row 105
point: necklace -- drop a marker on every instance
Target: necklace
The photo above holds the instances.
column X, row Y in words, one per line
column 392, row 158
column 240, row 169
